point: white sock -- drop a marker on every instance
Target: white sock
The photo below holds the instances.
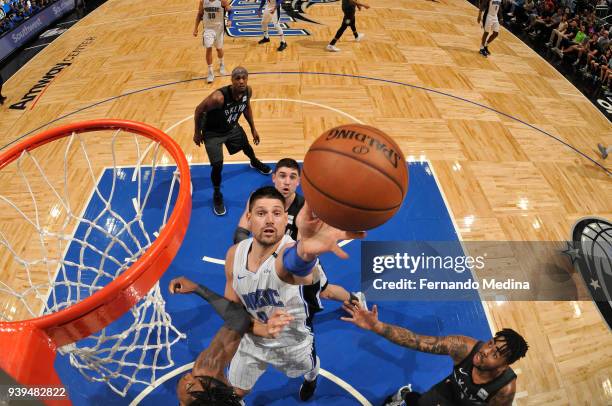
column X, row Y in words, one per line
column 210, row 68
column 220, row 61
column 311, row 375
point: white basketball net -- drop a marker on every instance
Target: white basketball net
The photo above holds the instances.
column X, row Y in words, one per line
column 49, row 280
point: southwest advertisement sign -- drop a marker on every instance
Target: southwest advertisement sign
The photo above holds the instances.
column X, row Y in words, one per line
column 34, row 25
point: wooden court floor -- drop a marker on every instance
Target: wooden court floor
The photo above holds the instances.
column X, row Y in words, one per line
column 507, row 171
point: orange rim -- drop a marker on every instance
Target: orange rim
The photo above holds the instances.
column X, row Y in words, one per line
column 103, row 307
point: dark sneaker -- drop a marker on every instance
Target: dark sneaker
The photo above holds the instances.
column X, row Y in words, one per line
column 218, row 206
column 487, row 51
column 261, row 167
column 2, row 99
column 483, row 52
column 603, row 150
column 282, row 46
column 397, row 399
column 307, row 389
column 263, row 40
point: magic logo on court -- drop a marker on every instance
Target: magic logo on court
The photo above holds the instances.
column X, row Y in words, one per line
column 246, row 22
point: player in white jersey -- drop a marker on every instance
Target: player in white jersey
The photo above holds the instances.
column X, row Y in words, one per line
column 491, row 10
column 266, row 273
column 271, row 14
column 212, row 13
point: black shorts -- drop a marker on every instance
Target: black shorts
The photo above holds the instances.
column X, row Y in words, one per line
column 440, row 394
column 235, row 140
column 349, row 15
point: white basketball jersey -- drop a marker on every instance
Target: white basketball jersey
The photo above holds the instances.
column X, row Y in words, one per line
column 493, row 8
column 263, row 292
column 213, row 14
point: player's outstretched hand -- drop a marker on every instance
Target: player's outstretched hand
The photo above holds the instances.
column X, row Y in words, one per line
column 360, row 316
column 195, row 32
column 182, row 285
column 318, row 237
column 279, row 320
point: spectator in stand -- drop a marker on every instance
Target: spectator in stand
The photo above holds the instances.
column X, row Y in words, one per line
column 597, row 64
column 587, row 47
column 605, row 76
column 517, row 11
column 596, row 56
column 552, row 23
column 530, row 12
column 605, row 38
column 557, row 33
column 568, row 37
column 580, row 41
column 590, row 21
column 544, row 10
column 544, row 19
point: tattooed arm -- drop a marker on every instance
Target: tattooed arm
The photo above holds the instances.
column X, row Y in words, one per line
column 213, row 360
column 458, row 347
column 505, row 396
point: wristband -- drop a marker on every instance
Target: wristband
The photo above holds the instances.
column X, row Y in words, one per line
column 296, row 265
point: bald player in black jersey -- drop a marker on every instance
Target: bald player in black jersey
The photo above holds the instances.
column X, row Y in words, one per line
column 286, row 179
column 216, row 123
column 481, row 374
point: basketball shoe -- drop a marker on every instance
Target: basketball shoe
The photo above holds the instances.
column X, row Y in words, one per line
column 218, row 206
column 261, row 167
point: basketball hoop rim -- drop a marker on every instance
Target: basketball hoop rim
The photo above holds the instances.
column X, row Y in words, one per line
column 145, row 272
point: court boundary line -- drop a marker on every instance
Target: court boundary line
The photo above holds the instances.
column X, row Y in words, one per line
column 556, row 138
column 461, row 242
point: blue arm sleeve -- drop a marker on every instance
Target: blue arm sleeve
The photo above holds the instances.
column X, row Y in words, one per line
column 296, row 265
column 261, row 4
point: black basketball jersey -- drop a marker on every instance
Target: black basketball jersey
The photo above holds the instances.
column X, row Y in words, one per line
column 348, row 6
column 459, row 388
column 223, row 119
column 292, row 213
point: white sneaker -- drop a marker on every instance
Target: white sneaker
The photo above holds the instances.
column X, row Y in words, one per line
column 362, row 299
column 211, row 77
column 332, row 48
column 359, row 37
column 222, row 69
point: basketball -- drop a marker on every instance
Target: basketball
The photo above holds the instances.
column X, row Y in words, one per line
column 354, row 177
